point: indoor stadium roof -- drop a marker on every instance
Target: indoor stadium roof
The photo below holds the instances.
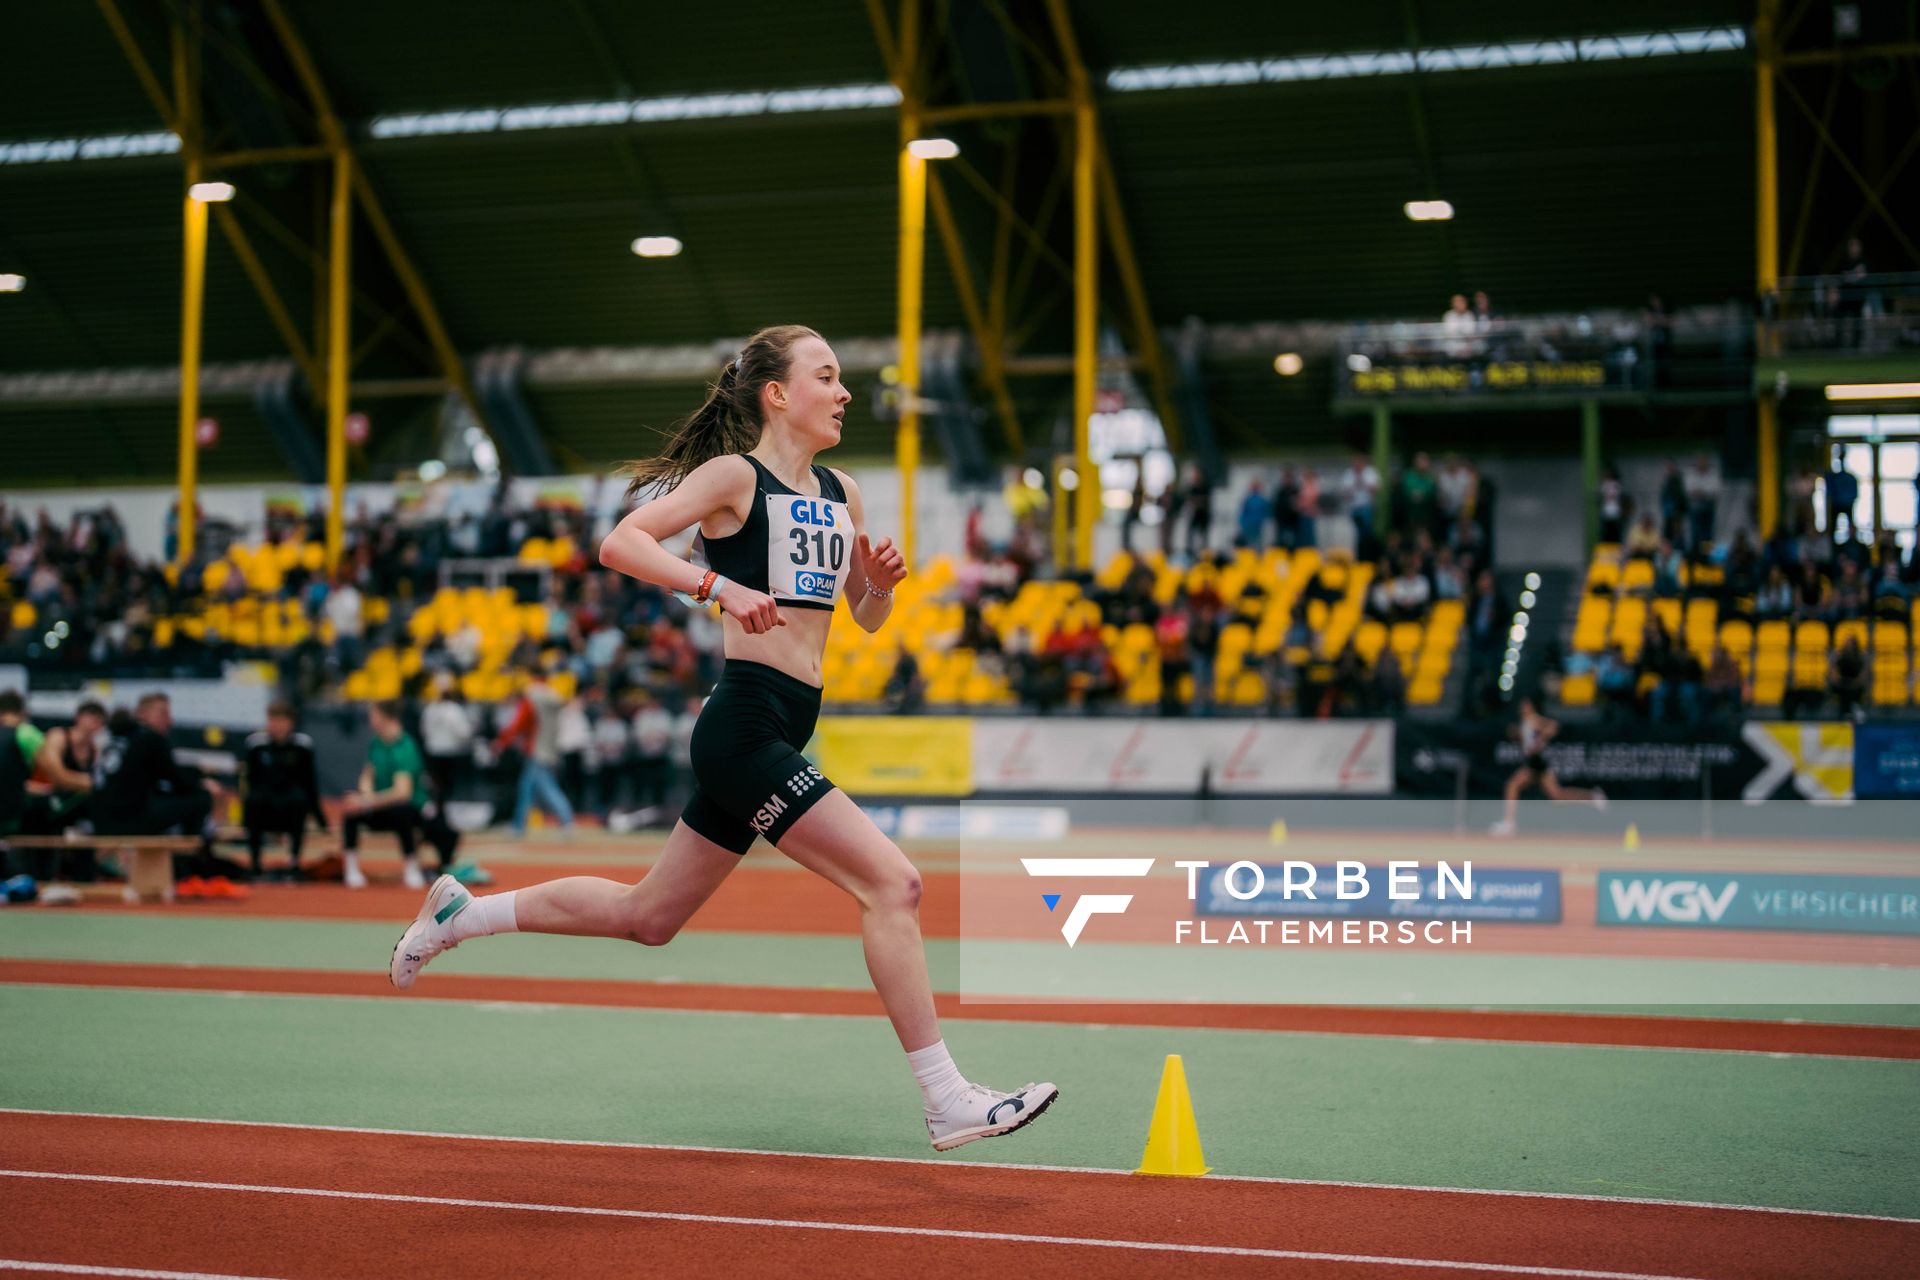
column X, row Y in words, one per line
column 1266, row 194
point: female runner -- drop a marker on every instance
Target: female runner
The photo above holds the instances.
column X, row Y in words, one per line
column 785, row 538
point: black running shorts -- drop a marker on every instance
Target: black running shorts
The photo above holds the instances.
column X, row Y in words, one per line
column 749, row 776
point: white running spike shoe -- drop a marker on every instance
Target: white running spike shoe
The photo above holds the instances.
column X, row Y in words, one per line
column 980, row 1112
column 429, row 934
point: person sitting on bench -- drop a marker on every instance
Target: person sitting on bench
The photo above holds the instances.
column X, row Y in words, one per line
column 66, row 760
column 393, row 797
column 20, row 742
column 282, row 787
column 139, row 790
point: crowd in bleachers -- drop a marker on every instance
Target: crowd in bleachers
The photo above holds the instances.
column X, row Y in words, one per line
column 1677, row 625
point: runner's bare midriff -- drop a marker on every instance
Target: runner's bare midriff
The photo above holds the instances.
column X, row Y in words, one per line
column 795, row 648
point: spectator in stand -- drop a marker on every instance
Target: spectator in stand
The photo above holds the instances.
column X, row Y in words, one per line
column 1703, row 500
column 1417, row 506
column 1612, row 499
column 1409, row 594
column 1256, row 509
column 575, row 742
column 393, row 797
column 1643, row 539
column 1843, row 491
column 1449, row 583
column 1203, row 643
column 1454, row 492
column 1136, row 504
column 906, row 689
column 1360, row 492
column 1389, row 685
column 1306, row 507
column 345, row 610
column 1351, row 690
column 446, row 727
column 282, row 788
column 1614, row 678
column 1742, row 566
column 1813, row 594
column 653, row 739
column 1891, row 595
column 1776, row 596
column 138, row 789
column 535, row 730
column 1172, row 499
column 1797, row 519
column 1667, row 563
column 1286, row 509
column 1673, row 504
column 1850, row 598
column 1680, row 683
column 1723, row 686
column 609, row 755
column 1459, row 329
column 1170, row 635
column 1847, row 679
column 1199, row 504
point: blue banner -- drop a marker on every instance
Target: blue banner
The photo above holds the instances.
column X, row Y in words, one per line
column 1715, row 900
column 1498, row 893
column 1886, row 761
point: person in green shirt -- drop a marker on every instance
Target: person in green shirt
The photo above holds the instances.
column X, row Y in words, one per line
column 393, row 797
column 20, row 743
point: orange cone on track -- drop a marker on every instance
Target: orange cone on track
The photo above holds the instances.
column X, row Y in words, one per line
column 1173, row 1139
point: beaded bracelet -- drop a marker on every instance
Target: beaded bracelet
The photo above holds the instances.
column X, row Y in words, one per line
column 879, row 595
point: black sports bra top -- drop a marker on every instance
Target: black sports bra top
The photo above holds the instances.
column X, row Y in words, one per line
column 793, row 547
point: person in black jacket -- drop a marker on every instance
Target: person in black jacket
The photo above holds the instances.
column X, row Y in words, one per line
column 139, row 790
column 282, row 786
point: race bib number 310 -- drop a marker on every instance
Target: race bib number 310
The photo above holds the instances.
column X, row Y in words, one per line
column 808, row 541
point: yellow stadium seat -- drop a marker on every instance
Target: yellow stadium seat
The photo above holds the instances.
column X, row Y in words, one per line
column 1889, row 635
column 1854, row 629
column 1637, row 575
column 24, row 615
column 1668, row 611
column 1810, row 635
column 1603, row 575
column 1424, row 692
column 1737, row 636
column 1404, row 638
column 1577, row 690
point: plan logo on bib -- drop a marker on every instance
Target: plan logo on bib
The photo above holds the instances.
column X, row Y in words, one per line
column 1088, row 905
column 808, row 583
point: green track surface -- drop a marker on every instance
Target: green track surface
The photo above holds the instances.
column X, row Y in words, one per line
column 1123, row 972
column 1740, row 1128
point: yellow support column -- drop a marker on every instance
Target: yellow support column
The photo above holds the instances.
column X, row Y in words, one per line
column 339, row 279
column 193, row 289
column 1086, row 302
column 1766, row 222
column 913, row 239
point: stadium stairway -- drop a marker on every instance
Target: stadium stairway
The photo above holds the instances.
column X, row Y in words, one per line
column 1550, row 622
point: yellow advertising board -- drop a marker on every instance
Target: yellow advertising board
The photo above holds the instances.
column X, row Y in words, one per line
column 896, row 755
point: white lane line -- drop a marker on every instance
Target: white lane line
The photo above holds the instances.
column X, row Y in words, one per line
column 974, row 1164
column 134, row 1273
column 862, row 1228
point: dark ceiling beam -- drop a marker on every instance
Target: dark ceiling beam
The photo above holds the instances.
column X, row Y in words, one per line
column 1423, row 147
column 650, row 189
column 452, row 367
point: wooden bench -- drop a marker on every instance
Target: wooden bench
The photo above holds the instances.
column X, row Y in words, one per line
column 147, row 860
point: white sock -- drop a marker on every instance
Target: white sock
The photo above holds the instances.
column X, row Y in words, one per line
column 489, row 915
column 353, row 863
column 940, row 1081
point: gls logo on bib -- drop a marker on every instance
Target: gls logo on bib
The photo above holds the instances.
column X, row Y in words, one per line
column 807, row 545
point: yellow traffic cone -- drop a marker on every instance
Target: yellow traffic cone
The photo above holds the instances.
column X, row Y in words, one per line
column 1277, row 833
column 1632, row 842
column 1173, row 1140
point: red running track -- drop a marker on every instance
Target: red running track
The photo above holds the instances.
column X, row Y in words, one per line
column 1506, row 1026
column 300, row 1203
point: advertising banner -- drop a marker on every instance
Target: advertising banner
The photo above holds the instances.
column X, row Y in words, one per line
column 1239, row 757
column 1757, row 761
column 1886, row 761
column 1496, row 893
column 896, row 755
column 1716, row 900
